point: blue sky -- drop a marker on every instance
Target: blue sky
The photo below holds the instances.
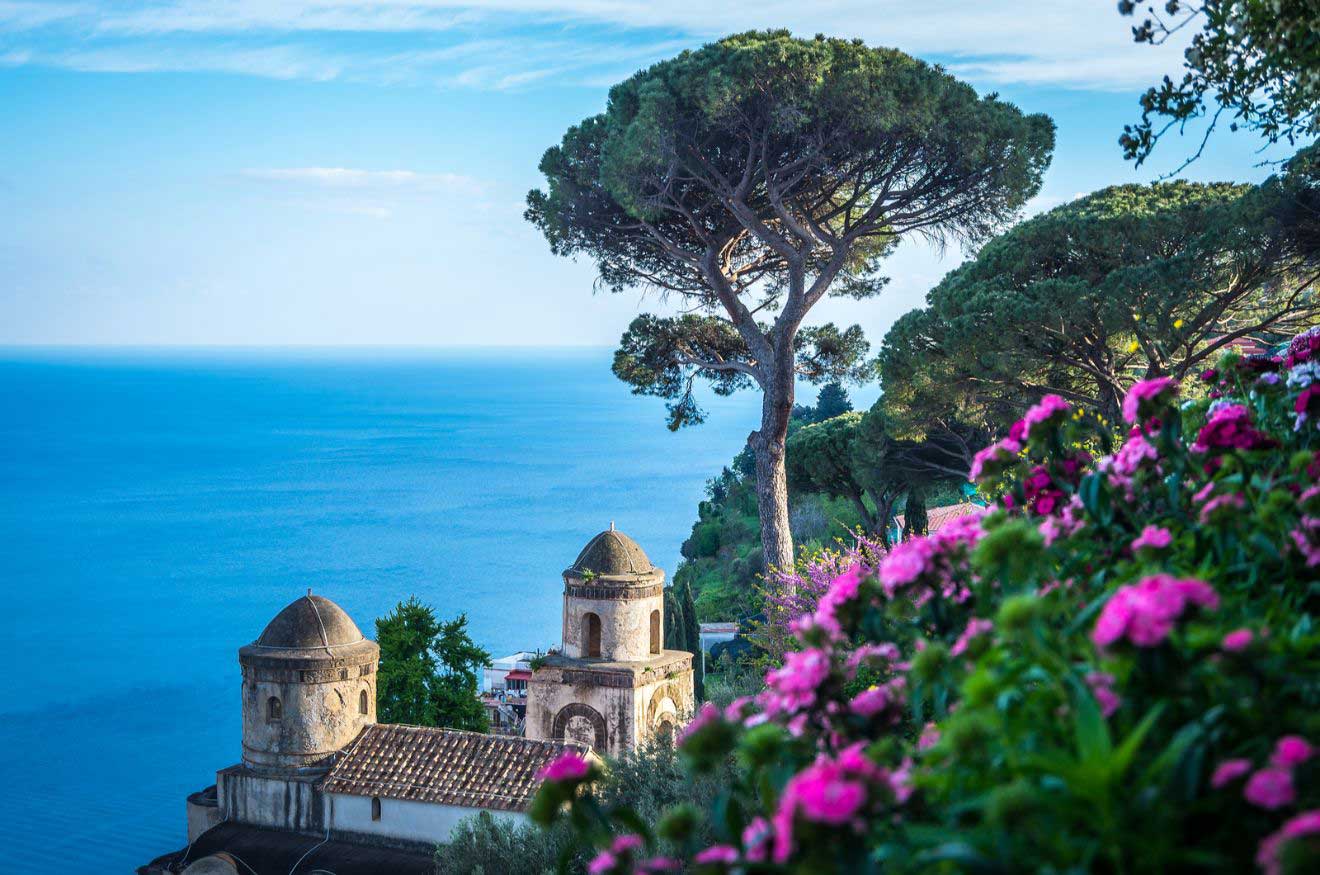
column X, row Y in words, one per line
column 339, row 172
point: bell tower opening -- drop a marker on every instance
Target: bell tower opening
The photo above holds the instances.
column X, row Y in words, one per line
column 655, row 631
column 590, row 635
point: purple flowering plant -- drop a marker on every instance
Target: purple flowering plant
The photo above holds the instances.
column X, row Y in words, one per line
column 1094, row 674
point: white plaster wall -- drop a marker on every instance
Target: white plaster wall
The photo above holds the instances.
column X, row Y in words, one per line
column 625, row 627
column 401, row 819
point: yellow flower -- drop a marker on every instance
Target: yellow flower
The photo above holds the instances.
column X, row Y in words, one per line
column 1133, row 346
column 1177, row 323
column 1136, row 317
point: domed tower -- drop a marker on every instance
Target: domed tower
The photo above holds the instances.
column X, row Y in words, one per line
column 613, row 601
column 309, row 686
column 613, row 685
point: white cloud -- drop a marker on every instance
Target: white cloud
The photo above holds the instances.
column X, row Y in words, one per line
column 1074, row 43
column 341, row 178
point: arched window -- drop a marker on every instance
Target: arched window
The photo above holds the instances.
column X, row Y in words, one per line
column 362, row 703
column 375, row 808
column 590, row 635
column 655, row 631
column 274, row 710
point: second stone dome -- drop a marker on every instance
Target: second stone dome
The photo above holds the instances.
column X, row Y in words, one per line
column 612, row 554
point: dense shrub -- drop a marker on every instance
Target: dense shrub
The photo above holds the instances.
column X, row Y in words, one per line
column 1113, row 669
column 482, row 845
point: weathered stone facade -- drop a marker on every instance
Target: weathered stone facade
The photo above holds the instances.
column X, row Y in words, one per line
column 309, row 686
column 614, row 685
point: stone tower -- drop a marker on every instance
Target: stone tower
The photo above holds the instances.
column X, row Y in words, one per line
column 309, row 686
column 613, row 685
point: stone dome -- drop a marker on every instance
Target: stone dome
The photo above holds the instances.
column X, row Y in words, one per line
column 310, row 622
column 612, row 554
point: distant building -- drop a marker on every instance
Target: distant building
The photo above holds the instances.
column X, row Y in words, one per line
column 613, row 685
column 320, row 780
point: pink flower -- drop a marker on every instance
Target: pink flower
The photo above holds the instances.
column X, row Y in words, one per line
column 1226, row 503
column 1001, row 452
column 755, row 838
column 603, row 862
column 1050, row 407
column 708, row 714
column 1142, row 399
column 1237, row 641
column 630, row 841
column 718, row 854
column 842, row 590
column 825, row 795
column 1152, row 538
column 1303, row 348
column 975, row 628
column 874, row 700
column 930, row 736
column 660, row 864
column 1229, row 771
column 569, row 767
column 1230, row 428
column 1144, row 612
column 796, row 683
column 1291, row 750
column 1270, row 787
column 1306, row 537
column 1102, row 687
column 1267, row 854
column 905, row 563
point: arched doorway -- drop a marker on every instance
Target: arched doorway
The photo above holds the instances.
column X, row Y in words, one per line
column 579, row 721
column 590, row 635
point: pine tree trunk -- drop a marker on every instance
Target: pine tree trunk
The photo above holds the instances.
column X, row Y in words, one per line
column 771, row 481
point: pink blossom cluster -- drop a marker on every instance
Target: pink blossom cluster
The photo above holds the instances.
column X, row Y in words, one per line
column 1269, row 852
column 1270, row 786
column 835, row 792
column 1230, row 428
column 1304, row 347
column 1145, row 612
column 1148, row 397
column 975, row 628
column 1152, row 538
column 992, row 459
column 569, row 767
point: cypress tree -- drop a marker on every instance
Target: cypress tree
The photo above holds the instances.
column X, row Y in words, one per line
column 675, row 631
column 692, row 640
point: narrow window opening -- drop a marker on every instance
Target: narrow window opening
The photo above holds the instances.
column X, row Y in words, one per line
column 655, row 631
column 274, row 710
column 591, row 634
column 375, row 808
column 362, row 702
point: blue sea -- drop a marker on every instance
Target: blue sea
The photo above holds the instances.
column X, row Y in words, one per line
column 158, row 507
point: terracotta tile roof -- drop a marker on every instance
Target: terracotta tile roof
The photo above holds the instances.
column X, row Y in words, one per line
column 936, row 517
column 445, row 766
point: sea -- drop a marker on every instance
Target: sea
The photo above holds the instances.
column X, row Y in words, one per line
column 158, row 507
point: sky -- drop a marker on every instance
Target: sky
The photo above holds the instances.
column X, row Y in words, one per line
column 335, row 172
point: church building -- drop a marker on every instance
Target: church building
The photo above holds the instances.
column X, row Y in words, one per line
column 322, row 786
column 613, row 685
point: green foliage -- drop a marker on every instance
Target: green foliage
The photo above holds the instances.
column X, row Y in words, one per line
column 1129, row 282
column 483, row 845
column 1056, row 686
column 429, row 670
column 757, row 175
column 1255, row 60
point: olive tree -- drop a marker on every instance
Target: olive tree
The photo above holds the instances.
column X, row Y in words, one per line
column 756, row 175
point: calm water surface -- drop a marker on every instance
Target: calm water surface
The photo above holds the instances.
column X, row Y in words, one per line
column 156, row 509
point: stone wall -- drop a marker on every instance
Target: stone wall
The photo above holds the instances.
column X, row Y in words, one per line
column 625, row 624
column 320, row 713
column 292, row 803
